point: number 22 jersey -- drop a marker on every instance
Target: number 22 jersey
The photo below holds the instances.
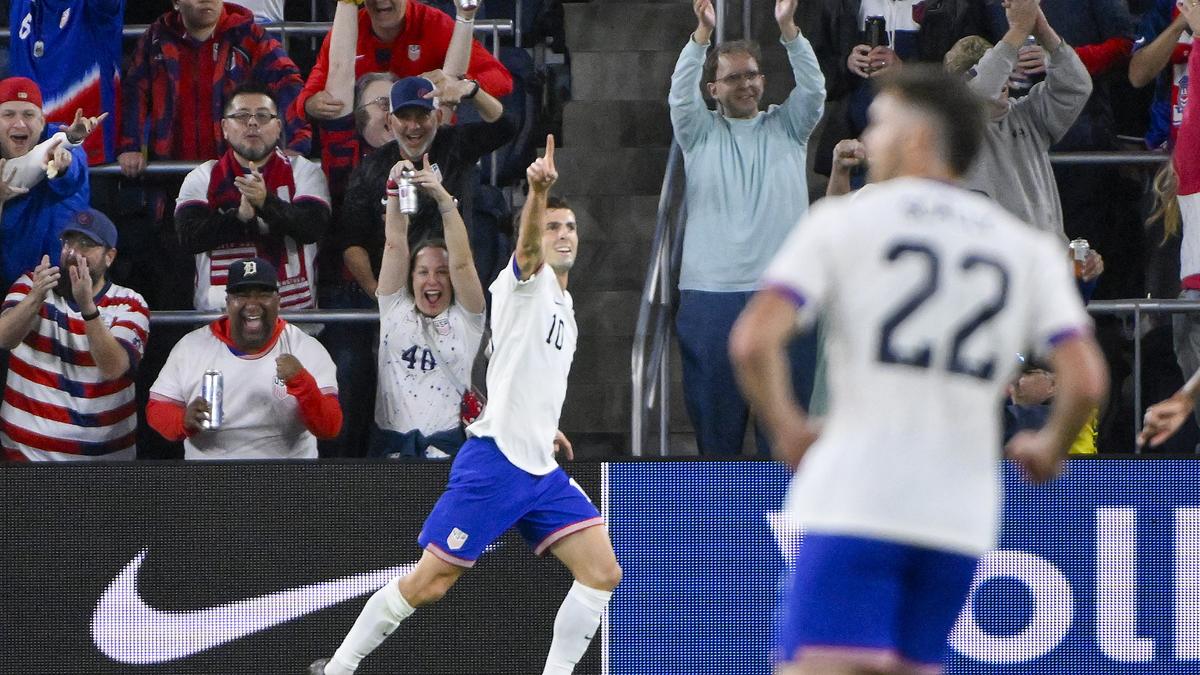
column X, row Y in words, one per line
column 928, row 292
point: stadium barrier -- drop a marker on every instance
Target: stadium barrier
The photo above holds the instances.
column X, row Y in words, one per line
column 258, row 567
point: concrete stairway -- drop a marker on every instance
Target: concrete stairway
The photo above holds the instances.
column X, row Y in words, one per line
column 616, row 134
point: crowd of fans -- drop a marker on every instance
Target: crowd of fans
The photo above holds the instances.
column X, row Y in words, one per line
column 296, row 202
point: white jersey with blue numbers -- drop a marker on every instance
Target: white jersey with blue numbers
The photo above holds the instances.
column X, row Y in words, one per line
column 533, row 343
column 928, row 292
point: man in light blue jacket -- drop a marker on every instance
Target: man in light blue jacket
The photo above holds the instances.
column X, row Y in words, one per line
column 746, row 189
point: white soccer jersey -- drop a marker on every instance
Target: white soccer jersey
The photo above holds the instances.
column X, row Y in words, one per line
column 297, row 273
column 929, row 292
column 533, row 340
column 415, row 389
column 261, row 420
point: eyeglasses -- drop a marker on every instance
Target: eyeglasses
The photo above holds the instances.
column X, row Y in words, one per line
column 243, row 118
column 382, row 103
column 77, row 242
column 734, row 79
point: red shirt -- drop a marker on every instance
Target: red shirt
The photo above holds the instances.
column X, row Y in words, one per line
column 419, row 48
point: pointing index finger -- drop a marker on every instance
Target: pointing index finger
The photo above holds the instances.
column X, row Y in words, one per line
column 550, row 151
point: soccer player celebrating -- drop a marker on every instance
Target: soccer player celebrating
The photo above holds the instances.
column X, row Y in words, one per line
column 927, row 291
column 505, row 474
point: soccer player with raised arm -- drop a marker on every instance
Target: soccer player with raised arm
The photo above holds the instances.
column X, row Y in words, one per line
column 927, row 291
column 505, row 475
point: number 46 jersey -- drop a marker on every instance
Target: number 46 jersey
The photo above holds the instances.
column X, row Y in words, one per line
column 928, row 292
column 533, row 343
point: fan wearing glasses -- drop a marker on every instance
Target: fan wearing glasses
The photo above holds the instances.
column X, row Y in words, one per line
column 253, row 202
column 746, row 188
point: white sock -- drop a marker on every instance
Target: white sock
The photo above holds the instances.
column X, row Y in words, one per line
column 577, row 622
column 384, row 610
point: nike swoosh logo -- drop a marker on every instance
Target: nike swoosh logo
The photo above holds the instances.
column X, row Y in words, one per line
column 127, row 630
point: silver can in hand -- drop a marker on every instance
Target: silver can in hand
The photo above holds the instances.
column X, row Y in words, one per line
column 468, row 5
column 212, row 388
column 406, row 192
column 1079, row 255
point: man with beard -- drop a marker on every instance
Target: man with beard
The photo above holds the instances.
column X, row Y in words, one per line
column 280, row 388
column 452, row 152
column 254, row 201
column 76, row 340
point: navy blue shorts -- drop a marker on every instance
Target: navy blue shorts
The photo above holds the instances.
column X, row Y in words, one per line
column 487, row 495
column 872, row 601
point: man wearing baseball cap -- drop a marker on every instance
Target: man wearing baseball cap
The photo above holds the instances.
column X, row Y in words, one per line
column 76, row 339
column 43, row 177
column 279, row 386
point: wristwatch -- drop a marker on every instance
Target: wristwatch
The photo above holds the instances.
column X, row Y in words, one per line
column 474, row 89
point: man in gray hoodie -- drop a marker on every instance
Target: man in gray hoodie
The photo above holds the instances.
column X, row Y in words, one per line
column 1013, row 166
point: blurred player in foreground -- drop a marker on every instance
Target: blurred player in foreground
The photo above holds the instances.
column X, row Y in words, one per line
column 505, row 474
column 927, row 290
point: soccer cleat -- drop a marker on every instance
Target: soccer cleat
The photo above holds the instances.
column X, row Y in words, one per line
column 318, row 667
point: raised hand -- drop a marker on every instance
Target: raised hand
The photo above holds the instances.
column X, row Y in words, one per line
column 287, row 367
column 57, row 158
column 1022, row 15
column 45, row 278
column 849, row 153
column 81, row 283
column 83, row 126
column 399, row 168
column 427, row 180
column 7, row 191
column 785, row 16
column 323, row 106
column 706, row 18
column 542, row 174
column 1190, row 11
column 252, row 187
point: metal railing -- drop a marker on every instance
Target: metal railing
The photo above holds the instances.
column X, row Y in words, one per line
column 650, row 357
column 496, row 27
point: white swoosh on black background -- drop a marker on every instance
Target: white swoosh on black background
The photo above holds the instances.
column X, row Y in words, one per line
column 128, row 630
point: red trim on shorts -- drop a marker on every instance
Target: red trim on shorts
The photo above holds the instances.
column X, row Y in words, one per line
column 1190, row 282
column 564, row 531
column 447, row 557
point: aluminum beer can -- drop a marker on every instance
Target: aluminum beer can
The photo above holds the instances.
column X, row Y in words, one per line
column 468, row 5
column 212, row 388
column 1079, row 254
column 406, row 193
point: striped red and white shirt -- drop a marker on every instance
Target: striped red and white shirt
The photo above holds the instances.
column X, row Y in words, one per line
column 57, row 405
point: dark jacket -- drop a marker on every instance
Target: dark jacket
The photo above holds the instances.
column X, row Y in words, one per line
column 455, row 150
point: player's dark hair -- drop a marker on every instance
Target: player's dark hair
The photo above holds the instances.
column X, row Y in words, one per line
column 957, row 114
column 749, row 47
column 556, row 202
column 251, row 88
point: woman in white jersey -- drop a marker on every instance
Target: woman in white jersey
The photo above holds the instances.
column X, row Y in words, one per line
column 431, row 314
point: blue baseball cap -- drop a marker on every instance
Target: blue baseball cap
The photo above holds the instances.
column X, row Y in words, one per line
column 94, row 224
column 410, row 92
